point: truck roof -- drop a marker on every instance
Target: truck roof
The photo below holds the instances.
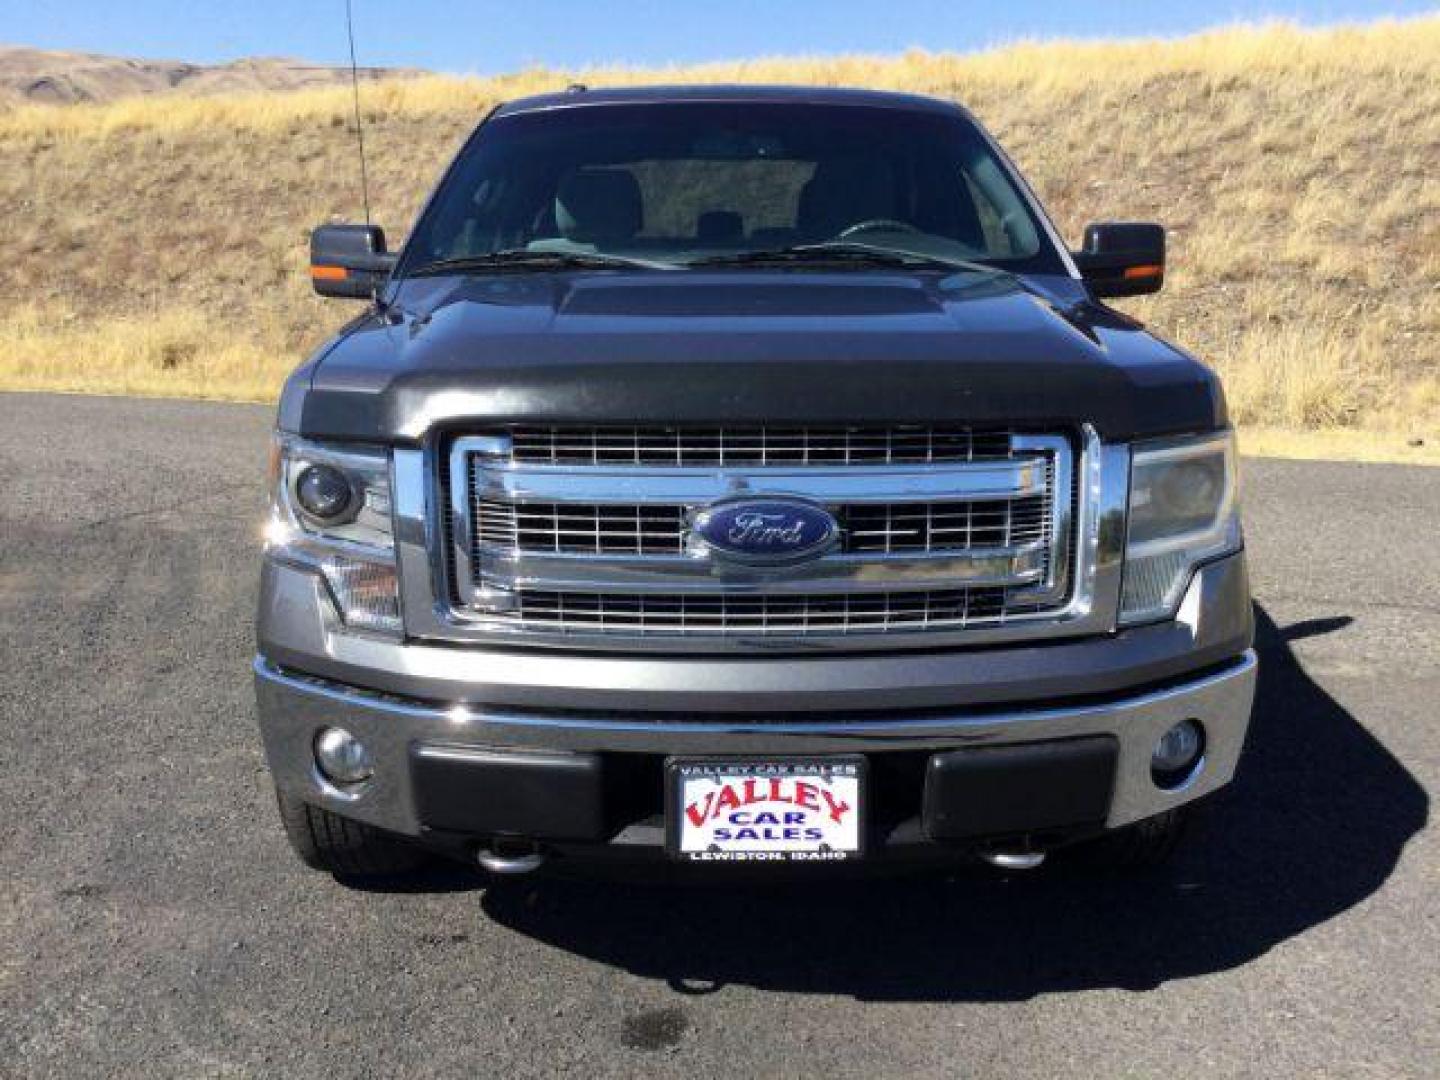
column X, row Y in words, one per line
column 793, row 95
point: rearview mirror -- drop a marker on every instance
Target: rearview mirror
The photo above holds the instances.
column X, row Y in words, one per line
column 349, row 260
column 1122, row 258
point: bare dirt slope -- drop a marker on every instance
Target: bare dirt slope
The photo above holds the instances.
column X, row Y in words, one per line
column 65, row 78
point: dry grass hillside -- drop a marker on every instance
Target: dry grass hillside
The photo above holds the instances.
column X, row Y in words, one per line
column 157, row 245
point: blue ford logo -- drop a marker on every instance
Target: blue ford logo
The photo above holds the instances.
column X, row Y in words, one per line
column 765, row 531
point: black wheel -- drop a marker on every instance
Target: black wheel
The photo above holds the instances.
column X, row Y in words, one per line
column 327, row 841
column 1148, row 843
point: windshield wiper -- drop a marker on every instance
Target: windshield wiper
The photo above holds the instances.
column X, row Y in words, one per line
column 524, row 259
column 834, row 252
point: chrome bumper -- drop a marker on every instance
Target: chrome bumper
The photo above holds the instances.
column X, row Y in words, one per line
column 293, row 708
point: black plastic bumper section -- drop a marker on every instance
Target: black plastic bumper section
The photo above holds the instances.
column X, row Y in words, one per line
column 541, row 796
column 961, row 795
column 1030, row 787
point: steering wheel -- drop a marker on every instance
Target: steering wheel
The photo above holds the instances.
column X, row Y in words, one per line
column 876, row 225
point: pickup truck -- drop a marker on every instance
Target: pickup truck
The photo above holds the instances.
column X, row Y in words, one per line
column 746, row 475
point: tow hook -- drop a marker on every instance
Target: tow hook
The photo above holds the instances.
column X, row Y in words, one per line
column 511, row 857
column 1014, row 860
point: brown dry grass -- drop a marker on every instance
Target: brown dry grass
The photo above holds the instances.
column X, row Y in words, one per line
column 157, row 245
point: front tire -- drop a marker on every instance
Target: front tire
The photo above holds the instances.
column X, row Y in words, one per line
column 326, row 841
column 1144, row 845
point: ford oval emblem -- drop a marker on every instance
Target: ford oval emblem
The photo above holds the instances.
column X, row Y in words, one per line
column 761, row 531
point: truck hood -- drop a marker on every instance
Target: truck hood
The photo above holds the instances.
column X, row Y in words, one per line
column 747, row 347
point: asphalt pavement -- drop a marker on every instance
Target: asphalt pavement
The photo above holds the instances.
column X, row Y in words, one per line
column 153, row 921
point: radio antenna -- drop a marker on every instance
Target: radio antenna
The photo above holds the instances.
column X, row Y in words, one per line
column 359, row 129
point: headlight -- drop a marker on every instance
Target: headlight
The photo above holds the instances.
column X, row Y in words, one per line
column 1182, row 512
column 330, row 512
column 327, row 495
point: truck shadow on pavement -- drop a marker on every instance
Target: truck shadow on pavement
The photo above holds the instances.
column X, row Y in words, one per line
column 1314, row 824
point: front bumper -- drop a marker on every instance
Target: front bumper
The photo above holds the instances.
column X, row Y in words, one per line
column 473, row 743
column 294, row 708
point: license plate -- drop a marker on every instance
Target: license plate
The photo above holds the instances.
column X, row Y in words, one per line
column 789, row 810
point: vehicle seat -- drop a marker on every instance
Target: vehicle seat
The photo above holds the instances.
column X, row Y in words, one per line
column 599, row 206
column 844, row 192
column 719, row 227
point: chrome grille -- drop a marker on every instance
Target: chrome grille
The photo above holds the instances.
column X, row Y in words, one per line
column 562, row 532
column 754, row 446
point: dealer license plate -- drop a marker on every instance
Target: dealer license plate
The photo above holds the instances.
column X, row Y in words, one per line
column 789, row 810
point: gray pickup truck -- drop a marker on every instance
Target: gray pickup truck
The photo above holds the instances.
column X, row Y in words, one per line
column 746, row 475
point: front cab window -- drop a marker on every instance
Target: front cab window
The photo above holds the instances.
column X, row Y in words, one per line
column 680, row 182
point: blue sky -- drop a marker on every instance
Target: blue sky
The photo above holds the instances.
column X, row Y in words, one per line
column 500, row 35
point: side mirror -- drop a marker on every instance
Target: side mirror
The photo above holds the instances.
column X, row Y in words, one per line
column 349, row 260
column 1123, row 258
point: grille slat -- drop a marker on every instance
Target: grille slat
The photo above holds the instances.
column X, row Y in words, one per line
column 763, row 615
column 759, row 446
column 887, row 528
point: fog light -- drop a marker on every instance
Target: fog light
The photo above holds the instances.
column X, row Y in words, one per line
column 1177, row 753
column 342, row 757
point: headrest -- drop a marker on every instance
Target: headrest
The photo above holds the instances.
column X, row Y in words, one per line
column 844, row 192
column 598, row 204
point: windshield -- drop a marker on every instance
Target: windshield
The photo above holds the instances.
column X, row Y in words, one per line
column 680, row 184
